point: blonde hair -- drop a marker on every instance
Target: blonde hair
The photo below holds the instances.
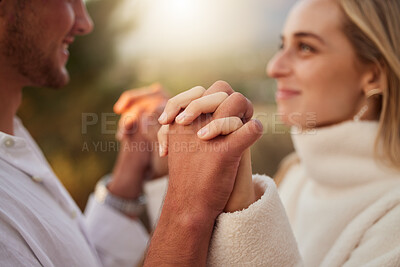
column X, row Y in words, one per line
column 373, row 28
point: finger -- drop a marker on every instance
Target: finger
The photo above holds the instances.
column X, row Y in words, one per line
column 236, row 105
column 175, row 104
column 223, row 126
column 126, row 126
column 126, row 102
column 219, row 86
column 128, row 97
column 143, row 109
column 205, row 104
column 130, row 116
column 245, row 136
column 162, row 136
column 149, row 126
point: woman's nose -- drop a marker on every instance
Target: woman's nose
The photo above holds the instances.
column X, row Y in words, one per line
column 279, row 65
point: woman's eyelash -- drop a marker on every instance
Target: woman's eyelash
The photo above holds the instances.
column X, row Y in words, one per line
column 302, row 47
column 306, row 48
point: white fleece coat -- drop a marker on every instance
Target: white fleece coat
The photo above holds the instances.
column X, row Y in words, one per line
column 341, row 206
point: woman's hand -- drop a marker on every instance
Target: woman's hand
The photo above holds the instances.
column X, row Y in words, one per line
column 137, row 132
column 230, row 110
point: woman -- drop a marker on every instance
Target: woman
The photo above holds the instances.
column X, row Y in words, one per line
column 338, row 75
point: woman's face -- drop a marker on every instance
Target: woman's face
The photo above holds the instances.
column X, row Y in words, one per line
column 318, row 76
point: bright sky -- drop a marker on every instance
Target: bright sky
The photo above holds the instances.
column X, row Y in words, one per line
column 198, row 28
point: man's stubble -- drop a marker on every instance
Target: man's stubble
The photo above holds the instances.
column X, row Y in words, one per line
column 21, row 47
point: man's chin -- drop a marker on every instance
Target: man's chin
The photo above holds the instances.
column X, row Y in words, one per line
column 55, row 80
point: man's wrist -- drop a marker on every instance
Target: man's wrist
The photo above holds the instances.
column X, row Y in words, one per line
column 180, row 212
column 129, row 207
column 181, row 238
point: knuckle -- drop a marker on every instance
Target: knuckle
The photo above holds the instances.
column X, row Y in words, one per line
column 223, row 86
column 240, row 102
column 239, row 98
column 171, row 103
column 221, row 83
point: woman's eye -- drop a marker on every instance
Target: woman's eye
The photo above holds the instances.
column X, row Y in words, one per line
column 306, row 48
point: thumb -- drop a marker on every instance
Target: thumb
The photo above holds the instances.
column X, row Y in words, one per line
column 245, row 136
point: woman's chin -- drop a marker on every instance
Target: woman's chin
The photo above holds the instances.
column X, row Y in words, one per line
column 290, row 117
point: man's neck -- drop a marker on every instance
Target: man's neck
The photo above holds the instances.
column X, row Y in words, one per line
column 11, row 84
column 10, row 100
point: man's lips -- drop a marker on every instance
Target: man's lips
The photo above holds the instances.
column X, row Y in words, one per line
column 286, row 93
column 65, row 45
column 68, row 40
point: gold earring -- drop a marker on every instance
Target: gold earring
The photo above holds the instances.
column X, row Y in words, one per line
column 364, row 109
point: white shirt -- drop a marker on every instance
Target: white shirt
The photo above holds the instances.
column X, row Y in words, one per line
column 40, row 224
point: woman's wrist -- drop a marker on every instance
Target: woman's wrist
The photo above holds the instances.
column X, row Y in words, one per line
column 243, row 194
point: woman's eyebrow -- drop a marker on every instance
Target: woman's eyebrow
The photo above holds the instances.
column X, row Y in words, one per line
column 309, row 34
column 305, row 34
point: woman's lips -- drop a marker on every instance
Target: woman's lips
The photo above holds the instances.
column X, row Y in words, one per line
column 283, row 94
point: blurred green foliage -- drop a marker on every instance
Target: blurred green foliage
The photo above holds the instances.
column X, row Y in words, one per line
column 54, row 117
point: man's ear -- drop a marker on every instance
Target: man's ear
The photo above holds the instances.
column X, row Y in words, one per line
column 375, row 77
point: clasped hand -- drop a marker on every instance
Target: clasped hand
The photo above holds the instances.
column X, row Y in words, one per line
column 207, row 135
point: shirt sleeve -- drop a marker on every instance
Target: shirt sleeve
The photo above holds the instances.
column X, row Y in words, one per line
column 119, row 240
column 257, row 236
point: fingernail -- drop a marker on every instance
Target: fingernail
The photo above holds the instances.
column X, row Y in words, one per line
column 202, row 132
column 181, row 117
column 259, row 125
column 162, row 117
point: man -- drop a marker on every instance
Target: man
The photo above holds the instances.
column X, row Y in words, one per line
column 40, row 225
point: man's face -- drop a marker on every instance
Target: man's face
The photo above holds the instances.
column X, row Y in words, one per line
column 36, row 38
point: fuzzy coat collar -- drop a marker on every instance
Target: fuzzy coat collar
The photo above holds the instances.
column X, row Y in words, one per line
column 341, row 155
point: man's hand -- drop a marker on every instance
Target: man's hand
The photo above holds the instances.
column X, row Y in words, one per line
column 137, row 132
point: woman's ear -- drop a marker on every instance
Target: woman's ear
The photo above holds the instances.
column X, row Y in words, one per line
column 375, row 77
